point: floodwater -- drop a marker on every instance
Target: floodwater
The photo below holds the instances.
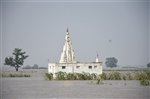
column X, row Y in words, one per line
column 36, row 87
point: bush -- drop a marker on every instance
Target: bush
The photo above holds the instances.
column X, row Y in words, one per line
column 147, row 73
column 144, row 82
column 87, row 76
column 129, row 76
column 93, row 76
column 79, row 76
column 75, row 76
column 61, row 75
column 71, row 76
column 48, row 76
column 141, row 75
column 115, row 76
column 27, row 75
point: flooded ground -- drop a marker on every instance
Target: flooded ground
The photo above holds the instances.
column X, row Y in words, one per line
column 36, row 87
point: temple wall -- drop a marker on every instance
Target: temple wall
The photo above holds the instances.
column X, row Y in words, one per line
column 75, row 67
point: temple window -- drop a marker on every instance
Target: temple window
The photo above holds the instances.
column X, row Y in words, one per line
column 90, row 67
column 63, row 67
column 95, row 67
column 77, row 67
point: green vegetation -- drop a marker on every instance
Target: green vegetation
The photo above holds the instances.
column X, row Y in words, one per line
column 114, row 76
column 144, row 82
column 143, row 76
column 61, row 75
column 72, row 76
column 48, row 76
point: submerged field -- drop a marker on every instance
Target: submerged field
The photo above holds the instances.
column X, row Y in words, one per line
column 36, row 87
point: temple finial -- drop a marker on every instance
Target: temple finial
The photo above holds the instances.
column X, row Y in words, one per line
column 67, row 30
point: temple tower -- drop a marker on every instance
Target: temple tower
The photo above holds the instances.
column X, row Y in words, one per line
column 67, row 55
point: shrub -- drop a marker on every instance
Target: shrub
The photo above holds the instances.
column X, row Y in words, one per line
column 27, row 75
column 79, row 76
column 124, row 77
column 48, row 76
column 75, row 76
column 143, row 77
column 104, row 76
column 129, row 76
column 71, row 76
column 144, row 82
column 115, row 76
column 147, row 73
column 140, row 75
column 61, row 75
column 87, row 76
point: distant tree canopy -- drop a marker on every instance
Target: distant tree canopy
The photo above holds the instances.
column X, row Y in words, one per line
column 27, row 67
column 17, row 59
column 111, row 62
column 148, row 65
column 35, row 66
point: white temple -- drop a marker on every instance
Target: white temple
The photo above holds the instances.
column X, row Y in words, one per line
column 69, row 64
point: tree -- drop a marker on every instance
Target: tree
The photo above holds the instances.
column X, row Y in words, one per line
column 111, row 62
column 148, row 65
column 18, row 59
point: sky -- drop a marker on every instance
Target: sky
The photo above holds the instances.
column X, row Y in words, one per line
column 111, row 28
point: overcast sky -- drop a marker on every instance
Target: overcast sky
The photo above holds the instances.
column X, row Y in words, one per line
column 113, row 28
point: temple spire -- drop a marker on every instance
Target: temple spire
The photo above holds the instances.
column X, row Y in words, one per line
column 67, row 55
